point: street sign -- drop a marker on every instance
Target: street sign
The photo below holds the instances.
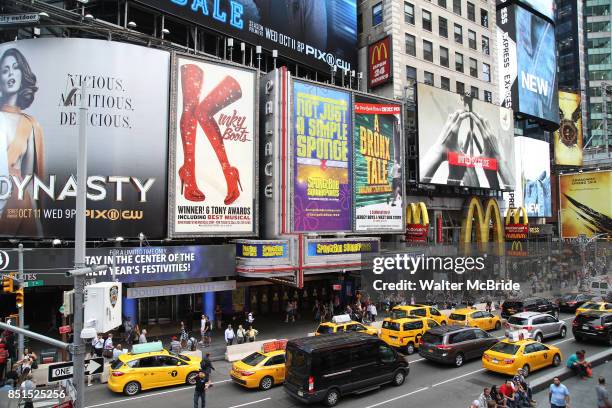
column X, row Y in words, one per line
column 64, row 371
column 65, row 329
column 16, row 19
column 32, row 284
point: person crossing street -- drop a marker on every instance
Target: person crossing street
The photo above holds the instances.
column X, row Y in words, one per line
column 202, row 383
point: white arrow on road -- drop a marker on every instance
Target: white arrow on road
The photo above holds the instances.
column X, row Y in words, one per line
column 92, row 366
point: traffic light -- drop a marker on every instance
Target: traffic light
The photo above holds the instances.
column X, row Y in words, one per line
column 7, row 283
column 19, row 297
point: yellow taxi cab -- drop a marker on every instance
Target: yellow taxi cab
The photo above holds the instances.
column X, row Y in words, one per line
column 601, row 306
column 342, row 324
column 519, row 351
column 156, row 368
column 430, row 312
column 261, row 369
column 405, row 333
column 475, row 318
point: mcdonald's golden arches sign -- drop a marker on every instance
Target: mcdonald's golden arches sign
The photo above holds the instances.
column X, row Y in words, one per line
column 517, row 224
column 379, row 62
column 417, row 222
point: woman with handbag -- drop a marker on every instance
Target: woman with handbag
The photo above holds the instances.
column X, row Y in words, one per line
column 108, row 347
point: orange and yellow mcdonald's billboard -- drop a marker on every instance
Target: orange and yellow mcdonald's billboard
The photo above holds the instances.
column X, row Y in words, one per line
column 379, row 62
column 516, row 224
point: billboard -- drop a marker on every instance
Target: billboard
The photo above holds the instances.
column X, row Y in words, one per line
column 544, row 7
column 380, row 62
column 464, row 141
column 568, row 139
column 586, row 207
column 532, row 175
column 378, row 168
column 320, row 33
column 528, row 64
column 212, row 166
column 322, row 165
column 126, row 187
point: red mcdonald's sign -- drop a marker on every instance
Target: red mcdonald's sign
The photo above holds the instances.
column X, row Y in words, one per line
column 379, row 62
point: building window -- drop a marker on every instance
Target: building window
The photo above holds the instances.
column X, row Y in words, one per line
column 410, row 45
column 484, row 18
column 474, row 92
column 445, row 83
column 411, row 73
column 443, row 27
column 473, row 68
column 427, row 51
column 444, row 56
column 359, row 23
column 428, row 78
column 471, row 11
column 408, row 13
column 486, row 72
column 426, row 20
column 472, row 39
column 488, row 96
column 460, row 88
column 459, row 62
column 377, row 14
column 485, row 45
column 457, row 7
column 458, row 34
column 442, row 3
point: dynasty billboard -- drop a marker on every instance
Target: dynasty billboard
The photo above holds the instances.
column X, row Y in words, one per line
column 586, row 207
column 39, row 125
column 212, row 160
column 378, row 167
column 464, row 141
column 319, row 33
column 528, row 64
column 380, row 62
column 322, row 151
column 568, row 139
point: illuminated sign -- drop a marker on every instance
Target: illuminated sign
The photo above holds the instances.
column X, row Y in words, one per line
column 262, row 250
column 514, row 229
column 417, row 222
column 482, row 218
column 379, row 62
column 342, row 247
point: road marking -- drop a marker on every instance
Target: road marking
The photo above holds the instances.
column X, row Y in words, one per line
column 149, row 395
column 393, row 399
column 416, row 361
column 251, row 403
column 563, row 341
column 456, row 378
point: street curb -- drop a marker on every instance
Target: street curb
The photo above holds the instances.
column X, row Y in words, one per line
column 542, row 383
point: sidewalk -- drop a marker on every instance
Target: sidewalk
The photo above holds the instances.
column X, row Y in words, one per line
column 582, row 392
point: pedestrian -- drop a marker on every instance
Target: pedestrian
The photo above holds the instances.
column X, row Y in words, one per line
column 207, row 332
column 27, row 390
column 373, row 311
column 251, row 334
column 175, row 345
column 128, row 330
column 558, row 394
column 117, row 351
column 136, row 334
column 4, row 354
column 229, row 335
column 603, row 398
column 288, row 310
column 488, row 302
column 98, row 345
column 218, row 316
column 485, row 398
column 475, row 404
column 508, row 391
column 108, row 347
column 240, row 334
column 206, row 364
column 497, row 397
column 202, row 383
column 578, row 364
column 525, row 389
column 142, row 339
column 202, row 328
column 250, row 319
column 5, row 401
column 184, row 336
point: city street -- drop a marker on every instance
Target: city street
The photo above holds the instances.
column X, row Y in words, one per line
column 428, row 384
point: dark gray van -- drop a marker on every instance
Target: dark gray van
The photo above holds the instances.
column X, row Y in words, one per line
column 324, row 368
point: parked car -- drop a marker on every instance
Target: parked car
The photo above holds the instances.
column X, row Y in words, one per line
column 325, row 368
column 455, row 344
column 572, row 301
column 593, row 326
column 534, row 304
column 538, row 325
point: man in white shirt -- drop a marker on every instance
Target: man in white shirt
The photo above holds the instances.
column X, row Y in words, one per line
column 229, row 335
column 143, row 336
column 108, row 346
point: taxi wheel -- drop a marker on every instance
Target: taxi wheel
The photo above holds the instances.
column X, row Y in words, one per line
column 191, row 378
column 266, row 383
column 556, row 360
column 399, row 378
column 538, row 337
column 497, row 325
column 410, row 348
column 526, row 370
column 563, row 332
column 132, row 388
column 332, row 397
column 459, row 360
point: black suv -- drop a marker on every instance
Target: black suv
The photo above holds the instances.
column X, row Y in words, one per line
column 593, row 325
column 455, row 344
column 572, row 301
column 534, row 304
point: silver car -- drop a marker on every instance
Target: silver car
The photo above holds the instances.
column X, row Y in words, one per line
column 539, row 325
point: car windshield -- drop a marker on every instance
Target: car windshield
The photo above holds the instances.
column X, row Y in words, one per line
column 390, row 325
column 253, row 359
column 590, row 305
column 519, row 321
column 510, row 304
column 431, row 338
column 181, row 356
column 569, row 297
column 583, row 318
column 398, row 314
column 115, row 365
column 455, row 316
column 324, row 329
column 505, row 348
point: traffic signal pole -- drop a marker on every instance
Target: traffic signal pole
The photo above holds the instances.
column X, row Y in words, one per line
column 20, row 279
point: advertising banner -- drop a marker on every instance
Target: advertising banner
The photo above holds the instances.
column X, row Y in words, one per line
column 319, row 33
column 568, row 139
column 340, row 247
column 213, row 148
column 586, row 207
column 464, row 141
column 378, row 166
column 126, row 184
column 261, row 250
column 545, row 7
column 322, row 149
column 380, row 62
